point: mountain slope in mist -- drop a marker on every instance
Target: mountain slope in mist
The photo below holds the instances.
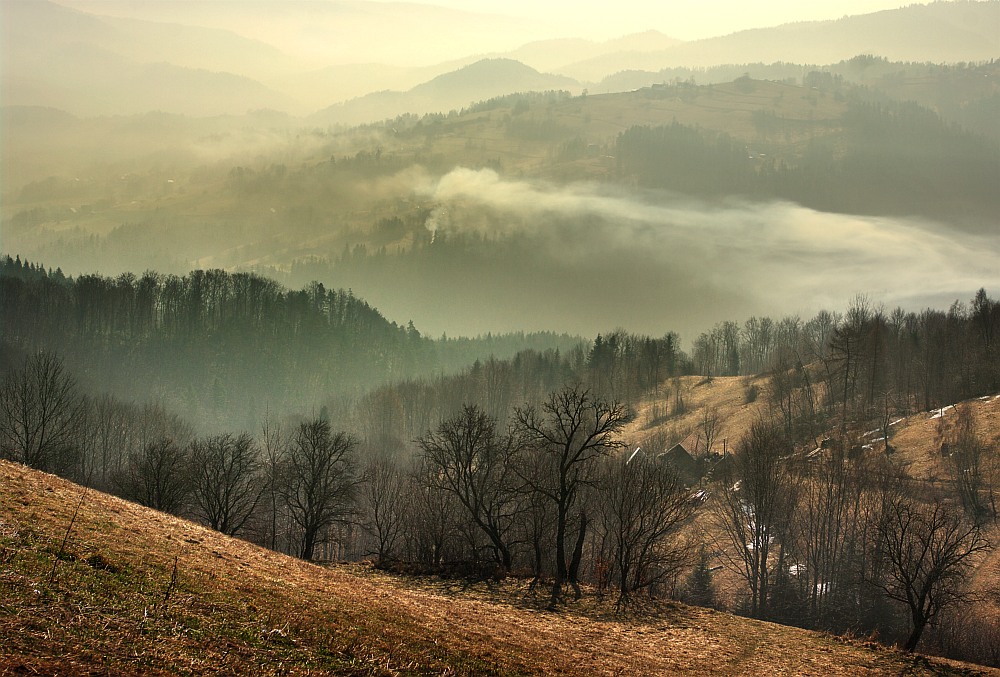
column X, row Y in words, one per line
column 326, row 32
column 89, row 65
column 216, row 57
column 552, row 55
column 964, row 30
column 320, row 88
column 323, row 87
column 316, row 89
column 33, row 27
column 408, row 215
column 485, row 79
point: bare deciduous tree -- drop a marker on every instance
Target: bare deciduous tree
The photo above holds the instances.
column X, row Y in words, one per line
column 108, row 436
column 319, row 481
column 840, row 500
column 41, row 415
column 226, row 481
column 929, row 549
column 709, row 427
column 476, row 464
column 572, row 430
column 156, row 476
column 430, row 518
column 753, row 509
column 968, row 464
column 385, row 503
column 644, row 503
column 538, row 518
column 274, row 445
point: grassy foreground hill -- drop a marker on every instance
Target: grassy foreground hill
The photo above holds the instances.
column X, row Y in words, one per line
column 90, row 584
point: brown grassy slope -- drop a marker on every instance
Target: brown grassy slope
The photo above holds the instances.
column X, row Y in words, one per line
column 726, row 395
column 112, row 604
column 916, row 441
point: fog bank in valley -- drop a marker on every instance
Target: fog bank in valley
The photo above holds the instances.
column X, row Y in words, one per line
column 601, row 256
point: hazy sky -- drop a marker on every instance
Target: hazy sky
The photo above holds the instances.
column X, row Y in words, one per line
column 683, row 19
column 411, row 33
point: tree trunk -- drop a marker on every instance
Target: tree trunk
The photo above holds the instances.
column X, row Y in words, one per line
column 560, row 557
column 308, row 545
column 574, row 567
column 537, row 564
column 919, row 622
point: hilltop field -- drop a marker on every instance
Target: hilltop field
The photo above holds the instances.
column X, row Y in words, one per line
column 92, row 584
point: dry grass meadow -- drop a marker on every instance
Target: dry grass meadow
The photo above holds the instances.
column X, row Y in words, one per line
column 122, row 590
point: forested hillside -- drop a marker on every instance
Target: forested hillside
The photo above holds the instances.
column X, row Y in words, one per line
column 224, row 349
column 873, row 362
column 890, row 159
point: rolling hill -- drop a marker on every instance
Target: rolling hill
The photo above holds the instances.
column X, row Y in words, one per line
column 937, row 32
column 341, row 31
column 100, row 57
column 94, row 584
column 916, row 439
column 916, row 444
column 552, row 55
column 88, row 65
column 484, row 79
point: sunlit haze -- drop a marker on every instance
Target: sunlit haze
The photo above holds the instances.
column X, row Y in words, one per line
column 406, row 34
column 681, row 19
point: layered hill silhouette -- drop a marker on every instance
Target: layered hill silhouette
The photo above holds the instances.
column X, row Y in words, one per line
column 89, row 65
column 937, row 32
column 484, row 79
column 105, row 57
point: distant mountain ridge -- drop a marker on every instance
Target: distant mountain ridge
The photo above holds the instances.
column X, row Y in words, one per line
column 964, row 30
column 134, row 60
column 551, row 55
column 491, row 77
column 88, row 65
column 481, row 80
column 323, row 32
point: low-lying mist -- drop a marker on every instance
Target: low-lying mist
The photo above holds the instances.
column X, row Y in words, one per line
column 593, row 257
